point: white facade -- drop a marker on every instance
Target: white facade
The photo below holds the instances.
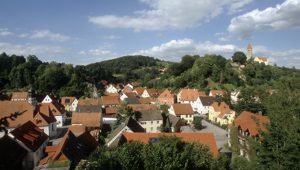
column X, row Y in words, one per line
column 196, row 105
column 145, row 94
column 152, row 126
column 32, row 158
column 50, row 130
column 111, row 89
column 234, row 96
column 123, row 97
column 188, row 117
column 73, row 106
column 60, row 120
column 47, row 99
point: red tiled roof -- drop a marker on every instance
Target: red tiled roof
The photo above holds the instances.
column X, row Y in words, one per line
column 77, row 129
column 203, row 138
column 139, row 90
column 190, row 94
column 88, row 119
column 19, row 112
column 30, row 135
column 217, row 92
column 89, row 101
column 264, row 59
column 110, row 100
column 251, row 122
column 222, row 108
column 153, row 92
column 111, row 110
column 166, row 94
column 130, row 94
column 140, row 107
column 147, row 100
column 19, row 96
column 183, row 109
column 68, row 100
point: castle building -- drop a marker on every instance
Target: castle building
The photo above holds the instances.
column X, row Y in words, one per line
column 249, row 52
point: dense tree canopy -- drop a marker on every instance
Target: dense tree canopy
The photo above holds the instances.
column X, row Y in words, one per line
column 239, row 57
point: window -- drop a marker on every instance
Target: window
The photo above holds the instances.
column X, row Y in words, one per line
column 151, row 122
column 157, row 122
column 151, row 128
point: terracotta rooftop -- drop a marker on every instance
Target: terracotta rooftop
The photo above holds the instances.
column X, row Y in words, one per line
column 153, row 92
column 110, row 100
column 166, row 94
column 70, row 148
column 217, row 92
column 140, row 107
column 68, row 100
column 16, row 113
column 190, row 94
column 130, row 94
column 30, row 135
column 147, row 100
column 203, row 138
column 139, row 90
column 264, row 59
column 77, row 129
column 111, row 110
column 222, row 108
column 19, row 96
column 183, row 109
column 89, row 101
column 251, row 122
column 87, row 119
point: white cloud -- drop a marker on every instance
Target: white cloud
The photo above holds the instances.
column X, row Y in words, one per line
column 46, row 34
column 165, row 14
column 29, row 49
column 111, row 37
column 175, row 49
column 96, row 54
column 283, row 16
column 5, row 32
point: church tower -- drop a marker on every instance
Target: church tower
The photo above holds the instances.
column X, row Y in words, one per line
column 249, row 51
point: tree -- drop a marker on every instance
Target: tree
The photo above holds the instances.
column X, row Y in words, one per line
column 239, row 57
column 197, row 123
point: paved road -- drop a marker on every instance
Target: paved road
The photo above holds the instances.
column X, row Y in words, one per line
column 220, row 134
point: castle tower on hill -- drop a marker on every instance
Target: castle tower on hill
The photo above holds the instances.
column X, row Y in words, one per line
column 249, row 51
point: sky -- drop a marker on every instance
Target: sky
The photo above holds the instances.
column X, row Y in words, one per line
column 81, row 32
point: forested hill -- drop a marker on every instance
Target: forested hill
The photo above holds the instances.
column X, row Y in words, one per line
column 133, row 68
column 127, row 63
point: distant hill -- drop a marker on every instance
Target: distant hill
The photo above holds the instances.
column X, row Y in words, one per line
column 127, row 63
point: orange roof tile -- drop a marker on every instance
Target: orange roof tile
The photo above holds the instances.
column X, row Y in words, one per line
column 147, row 100
column 30, row 135
column 251, row 122
column 19, row 96
column 77, row 129
column 166, row 94
column 217, row 92
column 89, row 101
column 190, row 94
column 203, row 138
column 68, row 100
column 140, row 107
column 183, row 109
column 87, row 119
column 110, row 100
column 111, row 110
column 222, row 108
column 139, row 90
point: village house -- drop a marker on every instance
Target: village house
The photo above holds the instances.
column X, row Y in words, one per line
column 19, row 96
column 207, row 139
column 153, row 93
column 69, row 151
column 127, row 89
column 221, row 113
column 261, row 60
column 127, row 95
column 16, row 113
column 166, row 97
column 216, row 93
column 191, row 96
column 249, row 125
column 110, row 101
column 150, row 120
column 205, row 103
column 30, row 142
column 93, row 121
column 111, row 89
column 183, row 111
column 130, row 125
column 234, row 96
column 139, row 91
column 70, row 103
column 56, row 108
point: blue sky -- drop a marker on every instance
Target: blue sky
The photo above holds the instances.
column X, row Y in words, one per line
column 83, row 32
